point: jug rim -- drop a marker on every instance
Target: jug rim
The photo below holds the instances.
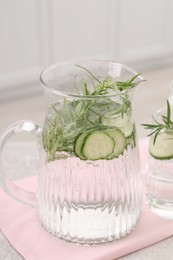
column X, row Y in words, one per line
column 52, row 90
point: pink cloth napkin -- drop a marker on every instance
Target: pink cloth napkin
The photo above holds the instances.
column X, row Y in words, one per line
column 21, row 226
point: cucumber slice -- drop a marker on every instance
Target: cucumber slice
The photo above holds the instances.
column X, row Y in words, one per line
column 120, row 142
column 128, row 129
column 112, row 119
column 78, row 145
column 98, row 145
column 163, row 147
column 121, row 121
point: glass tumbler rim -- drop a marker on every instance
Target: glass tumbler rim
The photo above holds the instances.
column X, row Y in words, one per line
column 158, row 113
column 171, row 85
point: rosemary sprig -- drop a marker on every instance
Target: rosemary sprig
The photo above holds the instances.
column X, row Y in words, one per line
column 166, row 124
column 127, row 84
column 103, row 87
column 89, row 72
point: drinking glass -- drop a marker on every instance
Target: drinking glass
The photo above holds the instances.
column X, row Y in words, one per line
column 160, row 171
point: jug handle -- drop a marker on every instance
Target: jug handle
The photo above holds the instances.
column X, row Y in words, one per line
column 26, row 197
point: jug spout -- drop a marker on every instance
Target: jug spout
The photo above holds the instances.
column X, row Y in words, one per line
column 140, row 79
column 129, row 75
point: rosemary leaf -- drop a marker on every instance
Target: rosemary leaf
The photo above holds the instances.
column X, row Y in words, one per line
column 165, row 125
column 89, row 73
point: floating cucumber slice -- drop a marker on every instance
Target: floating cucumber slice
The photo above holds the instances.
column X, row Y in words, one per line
column 78, row 145
column 120, row 142
column 128, row 129
column 163, row 147
column 97, row 145
column 110, row 118
column 121, row 121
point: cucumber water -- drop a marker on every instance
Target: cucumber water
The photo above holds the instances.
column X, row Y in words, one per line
column 163, row 147
column 91, row 125
column 80, row 128
column 161, row 135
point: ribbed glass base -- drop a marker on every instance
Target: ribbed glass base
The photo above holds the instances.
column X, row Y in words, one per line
column 91, row 202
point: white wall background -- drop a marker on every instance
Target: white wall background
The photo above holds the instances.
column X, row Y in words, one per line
column 37, row 33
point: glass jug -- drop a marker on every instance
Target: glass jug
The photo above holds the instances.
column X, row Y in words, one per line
column 89, row 180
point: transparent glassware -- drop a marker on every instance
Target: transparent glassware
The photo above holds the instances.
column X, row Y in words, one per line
column 160, row 174
column 170, row 94
column 86, row 194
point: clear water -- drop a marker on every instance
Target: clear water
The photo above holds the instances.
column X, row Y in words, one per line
column 91, row 202
column 160, row 187
column 88, row 201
